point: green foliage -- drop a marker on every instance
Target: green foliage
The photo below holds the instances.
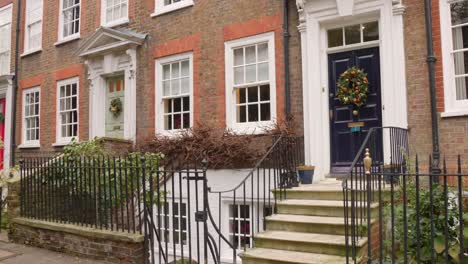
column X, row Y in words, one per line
column 115, row 181
column 429, row 215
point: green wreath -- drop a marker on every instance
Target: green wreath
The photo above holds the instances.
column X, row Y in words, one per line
column 2, row 118
column 353, row 87
column 116, row 107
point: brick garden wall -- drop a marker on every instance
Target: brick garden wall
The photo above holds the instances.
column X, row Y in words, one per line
column 113, row 247
column 201, row 28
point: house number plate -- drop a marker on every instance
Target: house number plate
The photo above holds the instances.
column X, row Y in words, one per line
column 356, row 126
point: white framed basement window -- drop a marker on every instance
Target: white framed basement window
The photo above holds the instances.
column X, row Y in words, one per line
column 69, row 19
column 166, row 6
column 31, row 117
column 174, row 93
column 454, row 33
column 33, row 26
column 67, row 110
column 5, row 40
column 240, row 225
column 114, row 12
column 250, row 83
column 173, row 219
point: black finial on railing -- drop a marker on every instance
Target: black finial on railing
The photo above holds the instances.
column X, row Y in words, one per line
column 205, row 164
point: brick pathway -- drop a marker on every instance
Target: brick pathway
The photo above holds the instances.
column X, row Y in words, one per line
column 19, row 254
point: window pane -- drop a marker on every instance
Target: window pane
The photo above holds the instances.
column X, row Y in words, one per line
column 239, row 75
column 177, row 121
column 185, row 85
column 168, row 122
column 265, row 93
column 370, row 31
column 460, row 38
column 462, row 88
column 177, row 105
column 166, row 88
column 238, row 57
column 461, row 62
column 250, row 55
column 166, row 72
column 250, row 73
column 241, row 114
column 353, row 34
column 175, row 87
column 263, row 52
column 253, row 94
column 335, row 37
column 185, row 68
column 186, row 121
column 265, row 112
column 253, row 113
column 263, row 74
column 459, row 13
column 168, row 106
column 175, row 70
column 240, row 95
column 186, row 102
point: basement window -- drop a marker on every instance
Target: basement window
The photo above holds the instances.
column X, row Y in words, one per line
column 240, row 223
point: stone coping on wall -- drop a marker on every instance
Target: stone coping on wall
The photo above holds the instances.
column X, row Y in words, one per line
column 81, row 230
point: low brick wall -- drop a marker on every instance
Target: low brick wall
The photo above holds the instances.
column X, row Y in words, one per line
column 104, row 245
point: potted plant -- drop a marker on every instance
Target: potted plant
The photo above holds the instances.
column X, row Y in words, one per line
column 306, row 174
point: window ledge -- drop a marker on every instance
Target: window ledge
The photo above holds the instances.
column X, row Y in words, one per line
column 172, row 8
column 116, row 23
column 30, row 52
column 66, row 40
column 29, row 145
column 254, row 128
column 454, row 113
column 62, row 144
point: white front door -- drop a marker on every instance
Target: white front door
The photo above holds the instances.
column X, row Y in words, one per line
column 115, row 98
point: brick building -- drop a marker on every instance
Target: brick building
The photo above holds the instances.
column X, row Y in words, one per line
column 132, row 69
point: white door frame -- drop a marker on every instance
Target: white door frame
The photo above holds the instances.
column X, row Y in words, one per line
column 98, row 69
column 315, row 17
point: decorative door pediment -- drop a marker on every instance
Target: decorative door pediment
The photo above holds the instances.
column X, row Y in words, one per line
column 106, row 39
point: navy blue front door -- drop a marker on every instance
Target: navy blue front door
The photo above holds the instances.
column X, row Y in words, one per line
column 345, row 141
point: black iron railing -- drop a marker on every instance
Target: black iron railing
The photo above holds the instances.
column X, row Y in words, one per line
column 171, row 203
column 396, row 211
column 256, row 197
column 102, row 192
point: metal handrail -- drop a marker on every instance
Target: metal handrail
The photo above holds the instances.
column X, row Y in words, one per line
column 257, row 165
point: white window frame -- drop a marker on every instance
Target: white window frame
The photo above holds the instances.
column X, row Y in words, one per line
column 76, row 35
column 231, row 118
column 60, row 140
column 5, row 69
column 30, row 143
column 159, row 98
column 170, row 227
column 160, row 8
column 28, row 50
column 453, row 107
column 120, row 21
column 239, row 219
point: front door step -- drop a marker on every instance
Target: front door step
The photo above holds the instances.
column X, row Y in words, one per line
column 274, row 256
column 308, row 227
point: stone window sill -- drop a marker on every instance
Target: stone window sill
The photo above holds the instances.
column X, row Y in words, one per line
column 172, row 8
column 454, row 114
column 30, row 52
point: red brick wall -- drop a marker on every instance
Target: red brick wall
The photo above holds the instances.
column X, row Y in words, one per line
column 202, row 29
column 5, row 2
column 453, row 132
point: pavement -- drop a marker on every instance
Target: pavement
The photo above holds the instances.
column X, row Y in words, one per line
column 19, row 254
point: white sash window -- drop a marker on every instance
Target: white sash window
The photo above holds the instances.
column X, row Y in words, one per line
column 33, row 27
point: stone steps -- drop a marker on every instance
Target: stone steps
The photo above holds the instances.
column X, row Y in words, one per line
column 318, row 207
column 308, row 228
column 303, row 242
column 274, row 256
